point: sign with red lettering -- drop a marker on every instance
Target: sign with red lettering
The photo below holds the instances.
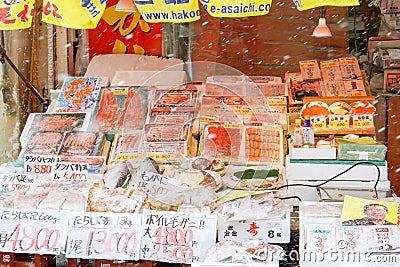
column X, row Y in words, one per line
column 36, row 232
column 176, row 236
column 39, row 164
column 16, row 14
column 94, row 235
column 124, row 33
column 16, row 182
column 70, row 171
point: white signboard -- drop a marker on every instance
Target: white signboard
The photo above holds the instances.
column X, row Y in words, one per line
column 36, row 232
column 70, row 171
column 38, row 164
column 95, row 235
column 16, row 182
column 176, row 236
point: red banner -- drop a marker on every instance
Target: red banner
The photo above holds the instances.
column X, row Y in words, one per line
column 124, row 33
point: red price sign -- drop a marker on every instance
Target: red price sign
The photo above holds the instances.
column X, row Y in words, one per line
column 37, row 232
column 70, row 171
column 104, row 236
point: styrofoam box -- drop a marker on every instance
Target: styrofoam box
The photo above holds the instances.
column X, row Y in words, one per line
column 323, row 170
column 312, row 153
column 336, row 190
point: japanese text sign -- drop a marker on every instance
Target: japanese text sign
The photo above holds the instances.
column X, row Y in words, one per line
column 176, row 236
column 37, row 232
column 70, row 171
column 94, row 235
column 16, row 182
column 38, row 164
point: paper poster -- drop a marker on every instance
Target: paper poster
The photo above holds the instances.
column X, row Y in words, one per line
column 177, row 236
column 236, row 8
column 169, row 10
column 16, row 182
column 125, row 32
column 308, row 4
column 70, row 14
column 16, row 14
column 93, row 235
column 78, row 94
column 357, row 211
column 36, row 232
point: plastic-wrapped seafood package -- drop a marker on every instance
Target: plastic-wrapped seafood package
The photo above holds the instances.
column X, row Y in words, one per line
column 76, row 201
column 127, row 146
column 118, row 200
column 53, row 201
column 73, row 121
column 28, row 201
column 82, row 144
column 43, row 143
column 253, row 252
column 121, row 108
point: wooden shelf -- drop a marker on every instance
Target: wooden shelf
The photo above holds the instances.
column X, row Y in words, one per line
column 331, row 131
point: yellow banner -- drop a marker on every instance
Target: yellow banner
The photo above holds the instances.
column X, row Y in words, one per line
column 76, row 14
column 169, row 10
column 236, row 8
column 16, row 14
column 308, row 4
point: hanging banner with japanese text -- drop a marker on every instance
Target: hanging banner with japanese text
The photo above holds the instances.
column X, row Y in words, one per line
column 76, row 14
column 236, row 8
column 177, row 236
column 308, row 4
column 124, row 33
column 16, row 14
column 169, row 10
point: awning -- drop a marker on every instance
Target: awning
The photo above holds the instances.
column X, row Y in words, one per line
column 86, row 14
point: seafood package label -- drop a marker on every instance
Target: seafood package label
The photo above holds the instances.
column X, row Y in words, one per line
column 69, row 121
column 174, row 98
column 121, row 108
column 127, row 146
column 170, row 118
column 78, row 94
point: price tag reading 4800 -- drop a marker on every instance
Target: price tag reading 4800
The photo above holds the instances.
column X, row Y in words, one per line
column 37, row 232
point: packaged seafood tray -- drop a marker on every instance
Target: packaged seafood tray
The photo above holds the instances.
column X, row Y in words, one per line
column 183, row 96
column 78, row 94
column 43, row 143
column 121, row 108
column 69, row 121
column 224, row 88
column 299, row 88
column 82, row 143
column 241, row 144
column 127, row 146
column 166, row 133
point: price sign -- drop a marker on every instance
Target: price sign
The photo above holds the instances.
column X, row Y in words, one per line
column 274, row 230
column 95, row 235
column 176, row 236
column 16, row 182
column 70, row 171
column 37, row 232
column 243, row 111
column 339, row 121
column 318, row 122
column 363, row 123
column 38, row 164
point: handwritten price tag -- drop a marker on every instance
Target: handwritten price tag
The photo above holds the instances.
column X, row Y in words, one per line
column 70, row 171
column 104, row 236
column 15, row 182
column 39, row 165
column 38, row 232
column 176, row 236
